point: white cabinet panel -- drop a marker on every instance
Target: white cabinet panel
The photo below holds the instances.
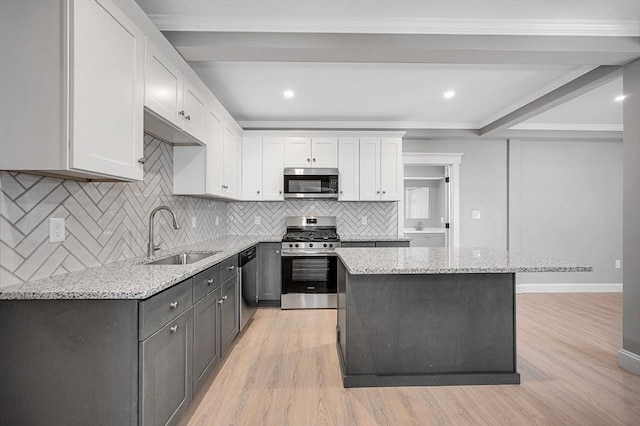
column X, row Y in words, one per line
column 272, row 168
column 193, row 114
column 91, row 124
column 369, row 169
column 349, row 169
column 324, row 152
column 214, row 129
column 252, row 169
column 391, row 169
column 163, row 86
column 232, row 164
column 297, row 152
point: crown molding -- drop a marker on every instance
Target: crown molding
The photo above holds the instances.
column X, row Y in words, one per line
column 371, row 125
column 573, row 127
column 405, row 25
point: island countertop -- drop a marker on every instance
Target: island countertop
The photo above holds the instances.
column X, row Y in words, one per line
column 132, row 278
column 441, row 260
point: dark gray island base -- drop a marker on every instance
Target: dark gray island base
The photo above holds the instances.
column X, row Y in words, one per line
column 426, row 330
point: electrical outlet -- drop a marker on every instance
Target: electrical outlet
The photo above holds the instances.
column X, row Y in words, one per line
column 364, row 220
column 217, row 221
column 476, row 254
column 194, row 221
column 257, row 220
column 475, row 214
column 618, row 264
column 441, row 219
column 56, row 229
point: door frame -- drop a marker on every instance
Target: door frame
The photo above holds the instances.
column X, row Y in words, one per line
column 451, row 162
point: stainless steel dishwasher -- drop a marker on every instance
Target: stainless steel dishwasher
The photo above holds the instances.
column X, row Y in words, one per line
column 248, row 284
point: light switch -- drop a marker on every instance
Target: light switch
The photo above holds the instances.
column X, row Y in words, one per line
column 194, row 221
column 217, row 221
column 475, row 214
column 618, row 265
column 364, row 220
column 257, row 220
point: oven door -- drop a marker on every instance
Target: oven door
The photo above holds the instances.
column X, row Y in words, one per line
column 309, row 274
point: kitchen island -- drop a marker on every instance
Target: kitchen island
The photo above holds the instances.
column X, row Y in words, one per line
column 430, row 316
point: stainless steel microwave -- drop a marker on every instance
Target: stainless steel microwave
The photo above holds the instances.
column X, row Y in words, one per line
column 320, row 183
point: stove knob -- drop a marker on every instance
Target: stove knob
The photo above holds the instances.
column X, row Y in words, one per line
column 325, row 244
column 291, row 245
column 311, row 245
column 330, row 245
column 297, row 245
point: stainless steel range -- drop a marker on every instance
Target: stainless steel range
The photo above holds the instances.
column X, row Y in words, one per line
column 309, row 263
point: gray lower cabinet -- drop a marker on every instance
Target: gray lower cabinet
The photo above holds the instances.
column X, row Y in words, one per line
column 166, row 372
column 392, row 243
column 206, row 337
column 270, row 273
column 229, row 313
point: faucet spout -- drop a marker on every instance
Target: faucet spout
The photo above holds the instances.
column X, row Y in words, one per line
column 152, row 247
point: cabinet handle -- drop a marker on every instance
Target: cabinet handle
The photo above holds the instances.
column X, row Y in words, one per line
column 188, row 117
column 341, row 192
column 280, row 192
column 314, row 160
column 384, row 192
column 377, row 192
column 173, row 305
column 210, row 281
column 231, row 268
column 308, row 160
column 181, row 113
column 220, row 302
column 277, row 251
column 224, row 297
column 258, row 192
column 174, row 329
column 142, row 160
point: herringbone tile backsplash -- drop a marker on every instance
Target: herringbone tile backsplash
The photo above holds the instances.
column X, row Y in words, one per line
column 382, row 217
column 105, row 222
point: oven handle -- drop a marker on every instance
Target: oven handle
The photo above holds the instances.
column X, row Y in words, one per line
column 284, row 253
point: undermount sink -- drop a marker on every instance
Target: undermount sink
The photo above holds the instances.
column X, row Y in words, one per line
column 183, row 258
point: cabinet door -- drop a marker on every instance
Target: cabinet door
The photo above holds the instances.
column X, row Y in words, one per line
column 369, row 169
column 166, row 372
column 272, row 169
column 193, row 113
column 107, row 91
column 162, row 86
column 229, row 313
column 215, row 149
column 297, row 152
column 252, row 169
column 206, row 339
column 349, row 169
column 391, row 169
column 231, row 166
column 270, row 272
column 324, row 152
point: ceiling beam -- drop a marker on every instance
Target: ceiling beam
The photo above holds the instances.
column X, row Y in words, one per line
column 404, row 48
column 583, row 84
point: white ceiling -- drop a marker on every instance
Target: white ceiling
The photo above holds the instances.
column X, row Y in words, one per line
column 386, row 64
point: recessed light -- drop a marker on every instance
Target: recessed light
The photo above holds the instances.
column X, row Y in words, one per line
column 288, row 94
column 619, row 98
column 449, row 94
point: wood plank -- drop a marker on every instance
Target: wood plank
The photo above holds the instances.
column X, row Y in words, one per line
column 284, row 370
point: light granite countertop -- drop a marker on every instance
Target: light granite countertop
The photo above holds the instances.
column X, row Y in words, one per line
column 361, row 237
column 131, row 278
column 441, row 260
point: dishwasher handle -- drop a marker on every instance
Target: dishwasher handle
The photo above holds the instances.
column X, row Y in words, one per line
column 247, row 256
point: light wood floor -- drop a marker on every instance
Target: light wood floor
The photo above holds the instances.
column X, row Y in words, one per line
column 284, row 371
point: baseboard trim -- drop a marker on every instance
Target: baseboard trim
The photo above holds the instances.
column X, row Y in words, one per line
column 629, row 361
column 569, row 288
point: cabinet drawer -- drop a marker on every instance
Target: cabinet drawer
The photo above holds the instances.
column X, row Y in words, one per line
column 206, row 281
column 164, row 307
column 228, row 267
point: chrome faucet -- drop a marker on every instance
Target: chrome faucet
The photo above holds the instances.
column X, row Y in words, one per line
column 152, row 248
column 419, row 227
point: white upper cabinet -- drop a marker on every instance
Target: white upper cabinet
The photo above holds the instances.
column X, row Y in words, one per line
column 172, row 99
column 311, row 152
column 252, row 169
column 262, row 167
column 273, row 169
column 85, row 98
column 349, row 169
column 380, row 169
column 212, row 170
